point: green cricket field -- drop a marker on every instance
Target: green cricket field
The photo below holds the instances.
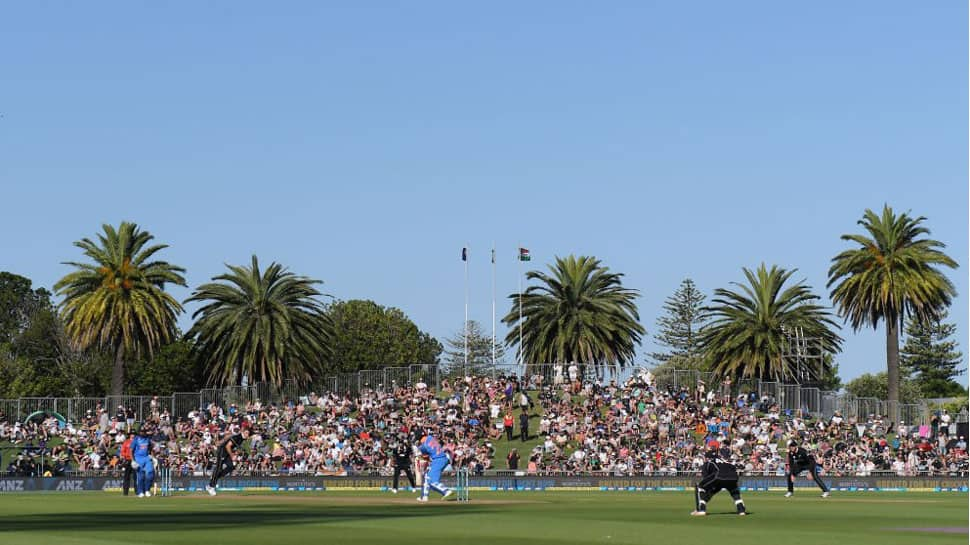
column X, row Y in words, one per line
column 555, row 518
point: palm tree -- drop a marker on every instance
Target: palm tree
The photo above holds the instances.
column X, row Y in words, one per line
column 892, row 273
column 262, row 326
column 749, row 329
column 118, row 302
column 581, row 312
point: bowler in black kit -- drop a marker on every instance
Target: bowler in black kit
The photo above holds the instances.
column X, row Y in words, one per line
column 224, row 458
column 718, row 474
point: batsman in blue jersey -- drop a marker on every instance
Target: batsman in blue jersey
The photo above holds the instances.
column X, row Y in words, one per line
column 141, row 450
column 439, row 458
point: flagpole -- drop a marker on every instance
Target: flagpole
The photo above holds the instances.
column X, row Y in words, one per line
column 493, row 307
column 521, row 348
column 464, row 369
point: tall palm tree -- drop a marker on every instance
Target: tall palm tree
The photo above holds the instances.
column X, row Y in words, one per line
column 892, row 271
column 749, row 328
column 581, row 312
column 263, row 326
column 119, row 302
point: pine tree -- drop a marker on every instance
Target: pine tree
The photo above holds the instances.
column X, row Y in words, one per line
column 678, row 328
column 931, row 357
column 479, row 351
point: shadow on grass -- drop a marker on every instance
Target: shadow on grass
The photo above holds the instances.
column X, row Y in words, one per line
column 262, row 516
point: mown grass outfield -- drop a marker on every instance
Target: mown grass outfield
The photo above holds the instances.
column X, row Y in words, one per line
column 490, row 518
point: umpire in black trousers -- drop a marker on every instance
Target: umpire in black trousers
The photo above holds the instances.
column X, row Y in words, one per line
column 718, row 474
column 402, row 462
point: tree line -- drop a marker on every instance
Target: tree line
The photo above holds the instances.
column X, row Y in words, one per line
column 116, row 325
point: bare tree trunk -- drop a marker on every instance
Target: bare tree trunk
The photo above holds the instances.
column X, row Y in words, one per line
column 118, row 375
column 892, row 367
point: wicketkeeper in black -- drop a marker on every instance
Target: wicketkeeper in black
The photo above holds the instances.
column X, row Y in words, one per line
column 717, row 474
column 224, row 457
column 402, row 462
column 800, row 460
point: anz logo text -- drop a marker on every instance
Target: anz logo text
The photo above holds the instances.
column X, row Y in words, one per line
column 70, row 485
column 11, row 485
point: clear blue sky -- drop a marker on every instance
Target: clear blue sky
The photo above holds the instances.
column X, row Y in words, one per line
column 366, row 145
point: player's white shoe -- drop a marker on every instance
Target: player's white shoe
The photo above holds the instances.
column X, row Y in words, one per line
column 148, row 494
column 393, row 491
column 422, row 498
column 788, row 494
column 698, row 513
column 742, row 514
column 141, row 494
column 210, row 490
column 447, row 493
column 825, row 494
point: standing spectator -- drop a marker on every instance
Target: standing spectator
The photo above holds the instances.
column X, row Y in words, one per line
column 120, row 415
column 945, row 423
column 129, row 419
column 103, row 421
column 513, row 459
column 574, row 378
column 508, row 421
column 726, row 389
column 508, row 391
column 524, row 425
column 557, row 378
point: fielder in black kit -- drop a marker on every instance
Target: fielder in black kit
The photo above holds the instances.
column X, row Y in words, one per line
column 717, row 474
column 402, row 462
column 800, row 460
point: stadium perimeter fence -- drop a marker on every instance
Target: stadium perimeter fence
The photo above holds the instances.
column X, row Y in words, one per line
column 495, row 481
column 790, row 398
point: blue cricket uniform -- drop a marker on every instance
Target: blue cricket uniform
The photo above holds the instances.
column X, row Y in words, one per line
column 439, row 461
column 141, row 449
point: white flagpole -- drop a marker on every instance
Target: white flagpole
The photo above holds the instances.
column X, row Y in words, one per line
column 521, row 349
column 464, row 368
column 493, row 307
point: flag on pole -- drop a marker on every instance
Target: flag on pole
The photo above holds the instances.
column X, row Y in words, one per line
column 464, row 254
column 524, row 254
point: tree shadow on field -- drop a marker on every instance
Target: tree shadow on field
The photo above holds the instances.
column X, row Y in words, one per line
column 166, row 520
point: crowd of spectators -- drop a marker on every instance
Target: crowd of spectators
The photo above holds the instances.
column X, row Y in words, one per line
column 563, row 424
